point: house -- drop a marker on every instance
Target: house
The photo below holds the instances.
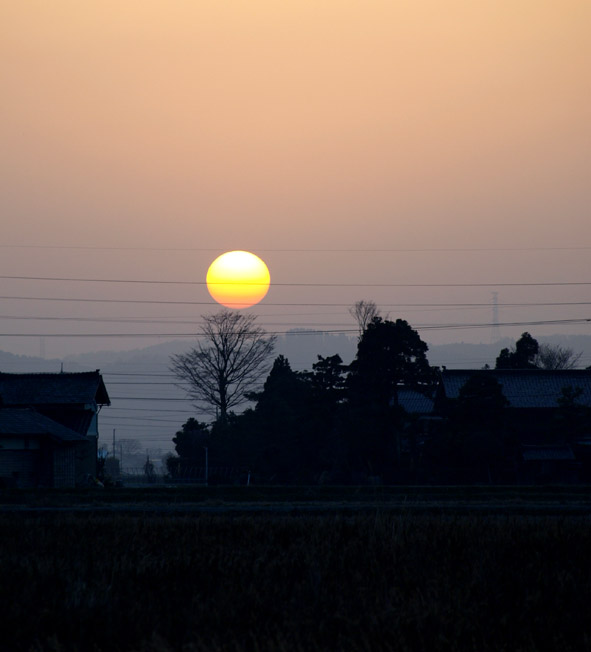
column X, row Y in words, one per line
column 543, row 427
column 540, row 402
column 421, row 420
column 37, row 451
column 49, row 427
column 414, row 402
column 417, row 425
column 549, row 463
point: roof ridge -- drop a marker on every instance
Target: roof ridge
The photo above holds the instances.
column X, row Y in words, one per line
column 50, row 373
column 519, row 371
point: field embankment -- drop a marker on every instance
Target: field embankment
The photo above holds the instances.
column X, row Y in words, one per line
column 485, row 500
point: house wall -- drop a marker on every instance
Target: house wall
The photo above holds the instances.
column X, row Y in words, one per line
column 549, row 471
column 86, row 454
column 19, row 443
column 533, row 425
column 64, row 467
column 20, row 468
column 93, row 426
column 37, row 466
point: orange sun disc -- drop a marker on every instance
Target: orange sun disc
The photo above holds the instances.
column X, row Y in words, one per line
column 238, row 279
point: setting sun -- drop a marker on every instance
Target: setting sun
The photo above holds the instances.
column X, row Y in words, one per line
column 238, row 279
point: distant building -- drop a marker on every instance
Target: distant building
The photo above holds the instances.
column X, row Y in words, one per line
column 535, row 411
column 49, row 428
column 544, row 430
column 548, row 463
column 524, row 388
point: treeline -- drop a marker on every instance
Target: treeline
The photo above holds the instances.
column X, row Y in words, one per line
column 335, row 423
column 346, row 424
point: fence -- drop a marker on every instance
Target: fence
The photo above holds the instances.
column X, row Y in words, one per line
column 191, row 475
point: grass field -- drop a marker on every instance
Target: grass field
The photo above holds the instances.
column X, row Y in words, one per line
column 339, row 581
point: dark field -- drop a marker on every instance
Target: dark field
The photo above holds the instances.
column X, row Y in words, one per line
column 473, row 499
column 380, row 580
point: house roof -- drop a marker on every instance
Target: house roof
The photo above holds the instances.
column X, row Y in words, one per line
column 558, row 452
column 525, row 388
column 414, row 402
column 22, row 422
column 53, row 389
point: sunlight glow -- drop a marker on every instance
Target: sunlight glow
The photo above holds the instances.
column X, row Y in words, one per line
column 238, row 279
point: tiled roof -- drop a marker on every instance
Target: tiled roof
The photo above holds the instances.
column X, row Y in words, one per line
column 25, row 421
column 414, row 402
column 547, row 453
column 525, row 388
column 53, row 389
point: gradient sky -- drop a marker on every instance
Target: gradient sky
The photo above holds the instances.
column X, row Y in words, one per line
column 141, row 129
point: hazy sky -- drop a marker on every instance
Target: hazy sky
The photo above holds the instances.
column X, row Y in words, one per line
column 144, row 128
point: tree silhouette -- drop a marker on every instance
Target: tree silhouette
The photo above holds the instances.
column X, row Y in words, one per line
column 189, row 443
column 289, row 435
column 389, row 354
column 481, row 399
column 573, row 416
column 190, row 440
column 523, row 355
column 364, row 312
column 279, row 421
column 554, row 356
column 230, row 358
column 328, row 379
column 474, row 442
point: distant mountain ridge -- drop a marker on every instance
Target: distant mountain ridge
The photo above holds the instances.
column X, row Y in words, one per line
column 462, row 355
column 300, row 347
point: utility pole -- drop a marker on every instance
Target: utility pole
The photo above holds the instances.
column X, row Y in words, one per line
column 206, row 465
column 113, row 442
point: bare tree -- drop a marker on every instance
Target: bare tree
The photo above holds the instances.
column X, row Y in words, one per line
column 130, row 452
column 229, row 359
column 554, row 356
column 363, row 312
column 130, row 446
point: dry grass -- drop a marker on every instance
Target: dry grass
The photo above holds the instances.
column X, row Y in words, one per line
column 268, row 582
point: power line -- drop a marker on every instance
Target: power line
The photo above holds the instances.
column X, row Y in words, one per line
column 175, row 383
column 307, row 331
column 151, row 410
column 138, row 420
column 197, row 322
column 545, row 322
column 107, row 320
column 160, row 335
column 148, row 398
column 144, row 301
column 116, row 320
column 166, row 434
column 64, row 279
column 301, row 250
column 110, row 373
column 149, row 375
column 298, row 304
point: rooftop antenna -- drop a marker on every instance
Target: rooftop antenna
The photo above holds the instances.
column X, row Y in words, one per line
column 495, row 333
